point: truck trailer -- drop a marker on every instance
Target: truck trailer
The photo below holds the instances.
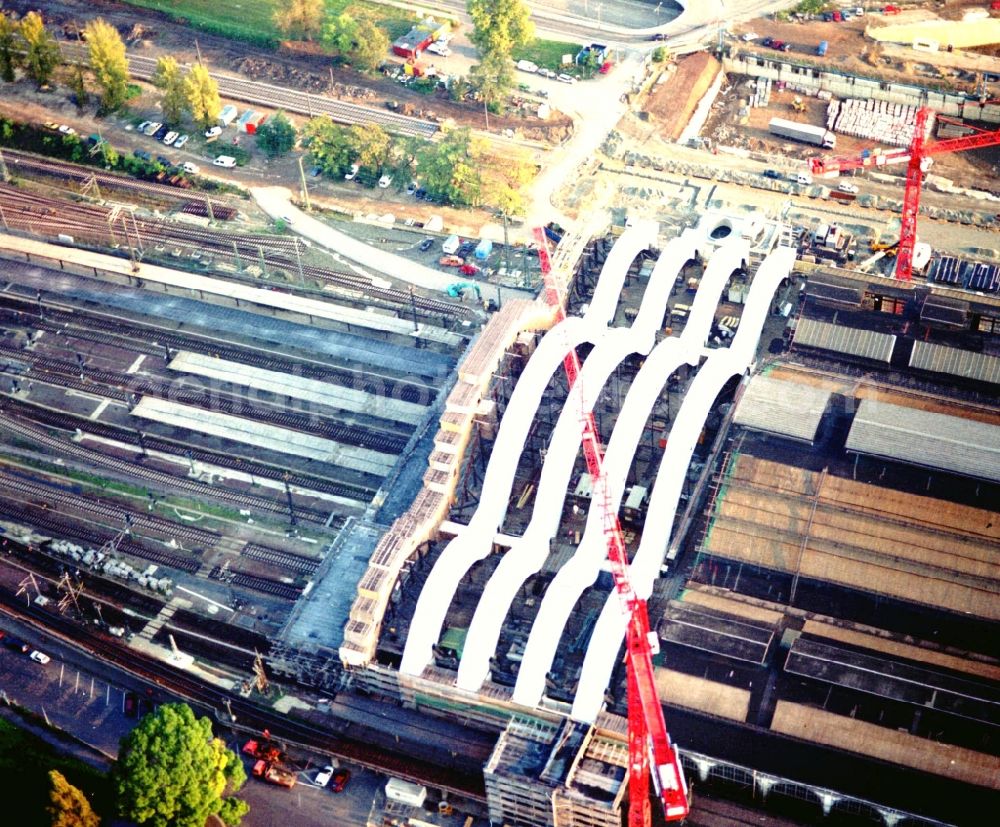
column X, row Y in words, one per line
column 807, row 133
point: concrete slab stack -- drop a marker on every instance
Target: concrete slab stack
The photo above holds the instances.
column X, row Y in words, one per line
column 884, row 122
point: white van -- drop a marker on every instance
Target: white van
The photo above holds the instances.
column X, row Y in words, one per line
column 803, row 178
column 451, row 245
column 225, row 161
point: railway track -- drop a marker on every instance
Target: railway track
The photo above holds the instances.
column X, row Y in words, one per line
column 110, row 511
column 280, row 559
column 277, row 97
column 77, row 530
column 134, row 470
column 124, row 386
column 23, row 210
column 26, row 162
column 87, row 323
column 264, row 585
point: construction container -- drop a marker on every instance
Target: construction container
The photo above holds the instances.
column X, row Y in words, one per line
column 228, row 114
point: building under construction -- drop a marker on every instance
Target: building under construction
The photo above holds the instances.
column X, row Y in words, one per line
column 808, row 507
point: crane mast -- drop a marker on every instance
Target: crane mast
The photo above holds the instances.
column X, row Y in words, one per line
column 650, row 749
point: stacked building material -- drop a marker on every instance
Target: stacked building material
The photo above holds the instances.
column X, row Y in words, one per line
column 881, row 121
column 762, row 93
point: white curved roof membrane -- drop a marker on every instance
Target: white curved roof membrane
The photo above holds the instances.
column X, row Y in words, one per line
column 528, row 553
column 580, row 572
column 721, row 365
column 476, row 541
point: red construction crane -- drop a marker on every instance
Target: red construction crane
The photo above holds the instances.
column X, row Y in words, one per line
column 914, row 157
column 649, row 747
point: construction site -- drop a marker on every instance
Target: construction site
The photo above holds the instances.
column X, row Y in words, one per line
column 821, row 569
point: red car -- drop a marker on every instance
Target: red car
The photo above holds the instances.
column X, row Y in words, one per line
column 890, row 10
column 468, row 269
column 339, row 780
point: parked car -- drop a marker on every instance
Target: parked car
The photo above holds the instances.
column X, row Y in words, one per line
column 846, row 186
column 385, row 182
column 181, row 140
column 67, row 130
column 411, row 188
column 890, row 10
column 468, row 269
column 340, row 779
column 564, row 78
column 142, row 127
column 771, row 173
column 767, row 41
column 187, row 166
column 451, row 261
column 439, row 49
column 420, row 194
column 315, row 172
column 465, row 248
column 163, row 159
column 161, row 133
column 659, row 36
column 142, row 155
column 777, row 44
column 170, row 137
column 213, row 132
column 426, row 244
column 39, row 657
column 323, row 776
column 352, row 173
column 151, row 128
column 225, row 161
column 748, row 37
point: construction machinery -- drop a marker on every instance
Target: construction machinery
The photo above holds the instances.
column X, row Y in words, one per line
column 918, row 160
column 649, row 746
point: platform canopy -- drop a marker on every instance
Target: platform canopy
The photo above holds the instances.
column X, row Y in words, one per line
column 868, row 344
column 964, row 363
column 931, row 440
column 778, row 406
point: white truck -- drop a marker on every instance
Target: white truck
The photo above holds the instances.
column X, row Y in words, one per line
column 405, row 792
column 805, row 132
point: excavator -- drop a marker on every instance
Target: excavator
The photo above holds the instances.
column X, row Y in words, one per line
column 457, row 289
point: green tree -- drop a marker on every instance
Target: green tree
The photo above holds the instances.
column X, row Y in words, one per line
column 172, row 772
column 202, row 96
column 500, row 26
column 168, row 78
column 276, row 136
column 448, row 168
column 9, row 56
column 68, row 807
column 373, row 145
column 493, row 78
column 42, row 54
column 356, row 38
column 502, row 177
column 108, row 63
column 330, row 145
column 300, row 19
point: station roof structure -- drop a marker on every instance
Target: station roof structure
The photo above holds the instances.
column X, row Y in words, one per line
column 778, row 406
column 964, row 363
column 926, row 439
column 945, row 310
column 298, row 387
column 898, row 680
column 868, row 344
column 715, row 632
column 261, row 435
column 830, row 292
